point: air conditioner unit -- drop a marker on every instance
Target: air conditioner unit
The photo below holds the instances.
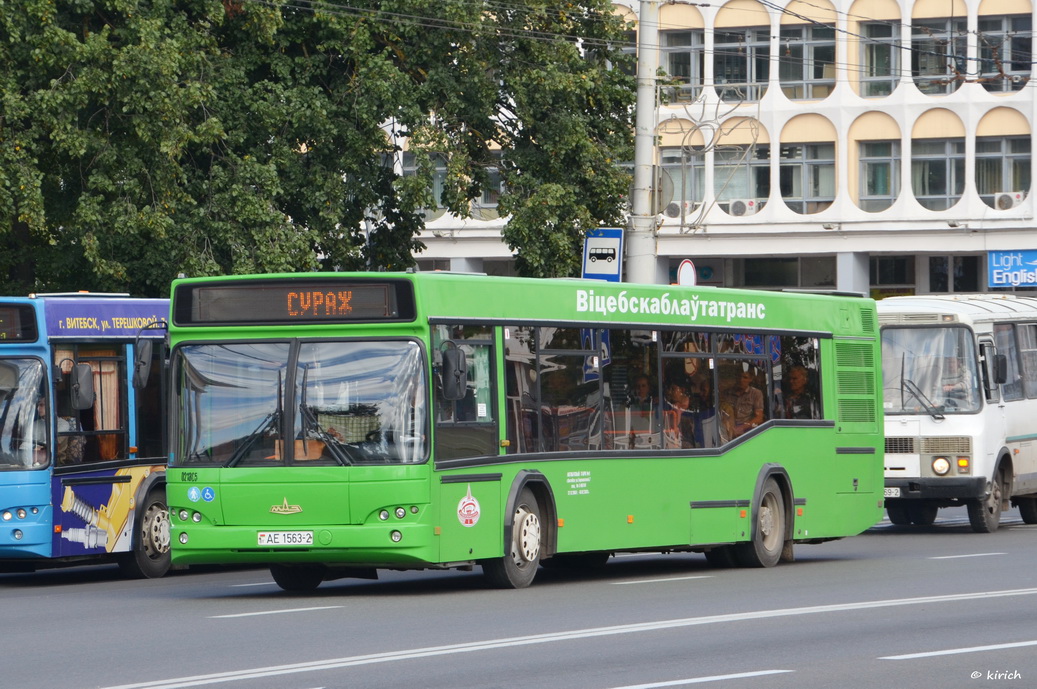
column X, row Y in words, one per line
column 674, row 209
column 1008, row 199
column 742, row 207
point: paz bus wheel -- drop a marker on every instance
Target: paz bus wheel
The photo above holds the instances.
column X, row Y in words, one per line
column 298, row 577
column 764, row 550
column 149, row 557
column 923, row 515
column 522, row 555
column 985, row 514
column 898, row 514
column 1028, row 509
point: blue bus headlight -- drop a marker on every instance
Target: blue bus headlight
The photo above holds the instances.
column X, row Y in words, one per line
column 7, row 516
column 21, row 513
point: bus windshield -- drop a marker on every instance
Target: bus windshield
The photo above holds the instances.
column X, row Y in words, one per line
column 929, row 370
column 23, row 415
column 341, row 403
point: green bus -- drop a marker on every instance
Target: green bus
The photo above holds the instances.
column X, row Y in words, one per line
column 328, row 425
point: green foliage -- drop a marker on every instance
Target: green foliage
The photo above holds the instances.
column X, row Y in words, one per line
column 139, row 140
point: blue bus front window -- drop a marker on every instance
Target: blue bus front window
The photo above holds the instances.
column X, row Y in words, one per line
column 929, row 371
column 24, row 432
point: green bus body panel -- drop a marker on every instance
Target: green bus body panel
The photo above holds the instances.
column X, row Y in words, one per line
column 606, row 502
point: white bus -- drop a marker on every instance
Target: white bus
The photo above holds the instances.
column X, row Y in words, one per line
column 960, row 400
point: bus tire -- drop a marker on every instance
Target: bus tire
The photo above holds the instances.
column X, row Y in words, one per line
column 1027, row 509
column 298, row 577
column 898, row 514
column 518, row 566
column 985, row 513
column 768, row 536
column 149, row 556
column 923, row 514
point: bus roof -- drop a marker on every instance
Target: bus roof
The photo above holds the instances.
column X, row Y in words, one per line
column 967, row 308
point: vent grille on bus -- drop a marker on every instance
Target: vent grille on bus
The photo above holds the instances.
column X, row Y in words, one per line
column 855, row 382
column 940, row 446
column 856, row 411
column 868, row 321
column 900, row 446
column 854, row 355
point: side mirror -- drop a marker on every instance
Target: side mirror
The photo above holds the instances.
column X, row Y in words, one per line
column 82, row 387
column 455, row 374
column 1000, row 369
column 142, row 363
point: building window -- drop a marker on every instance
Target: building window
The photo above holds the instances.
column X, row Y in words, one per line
column 742, row 173
column 938, row 172
column 938, row 54
column 410, row 168
column 683, row 168
column 879, row 174
column 773, row 272
column 682, row 59
column 1005, row 52
column 881, row 58
column 484, row 206
column 953, row 273
column 808, row 176
column 1002, row 165
column 892, row 271
column 741, row 60
column 807, row 61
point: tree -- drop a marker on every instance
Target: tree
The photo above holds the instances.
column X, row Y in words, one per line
column 141, row 140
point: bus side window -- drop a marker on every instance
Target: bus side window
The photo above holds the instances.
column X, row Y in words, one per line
column 100, row 430
column 467, row 426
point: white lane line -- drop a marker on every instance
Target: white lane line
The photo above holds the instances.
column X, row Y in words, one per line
column 956, row 651
column 958, row 557
column 554, row 637
column 256, row 583
column 272, row 612
column 701, row 680
column 655, row 581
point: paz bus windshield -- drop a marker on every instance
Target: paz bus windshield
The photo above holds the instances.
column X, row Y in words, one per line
column 341, row 403
column 929, row 371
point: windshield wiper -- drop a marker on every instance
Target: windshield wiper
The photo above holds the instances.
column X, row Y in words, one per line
column 272, row 420
column 311, row 425
column 927, row 403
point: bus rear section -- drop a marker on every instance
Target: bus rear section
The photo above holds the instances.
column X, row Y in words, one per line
column 960, row 393
column 82, row 449
column 332, row 425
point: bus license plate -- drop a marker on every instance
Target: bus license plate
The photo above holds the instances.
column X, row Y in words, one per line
column 279, row 538
column 892, row 493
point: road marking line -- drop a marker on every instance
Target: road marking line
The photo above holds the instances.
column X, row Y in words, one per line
column 700, row 680
column 653, row 581
column 554, row 637
column 956, row 557
column 255, row 583
column 272, row 612
column 956, row 651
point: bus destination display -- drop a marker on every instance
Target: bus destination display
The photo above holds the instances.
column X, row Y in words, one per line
column 17, row 323
column 288, row 302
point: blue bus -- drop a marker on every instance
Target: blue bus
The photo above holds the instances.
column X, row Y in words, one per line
column 82, row 432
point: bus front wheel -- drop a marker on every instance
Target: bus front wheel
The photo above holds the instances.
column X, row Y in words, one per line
column 297, row 577
column 149, row 556
column 768, row 539
column 522, row 555
column 985, row 513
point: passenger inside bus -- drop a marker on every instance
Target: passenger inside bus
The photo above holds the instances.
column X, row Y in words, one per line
column 743, row 402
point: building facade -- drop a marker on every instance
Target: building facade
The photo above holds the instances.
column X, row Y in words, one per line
column 867, row 145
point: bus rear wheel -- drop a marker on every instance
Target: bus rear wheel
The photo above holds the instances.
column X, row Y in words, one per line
column 923, row 515
column 768, row 539
column 522, row 555
column 297, row 577
column 149, row 557
column 985, row 514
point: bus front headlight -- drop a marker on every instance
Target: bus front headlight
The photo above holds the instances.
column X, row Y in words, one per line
column 941, row 466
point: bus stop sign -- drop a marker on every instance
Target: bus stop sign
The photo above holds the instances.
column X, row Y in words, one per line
column 603, row 254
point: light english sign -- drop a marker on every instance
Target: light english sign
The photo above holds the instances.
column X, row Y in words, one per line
column 1012, row 269
column 667, row 305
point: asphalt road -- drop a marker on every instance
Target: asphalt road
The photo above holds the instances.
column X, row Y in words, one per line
column 897, row 607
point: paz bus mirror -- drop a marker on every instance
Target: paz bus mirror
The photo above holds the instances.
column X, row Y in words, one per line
column 455, row 374
column 142, row 363
column 82, row 387
column 1000, row 369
